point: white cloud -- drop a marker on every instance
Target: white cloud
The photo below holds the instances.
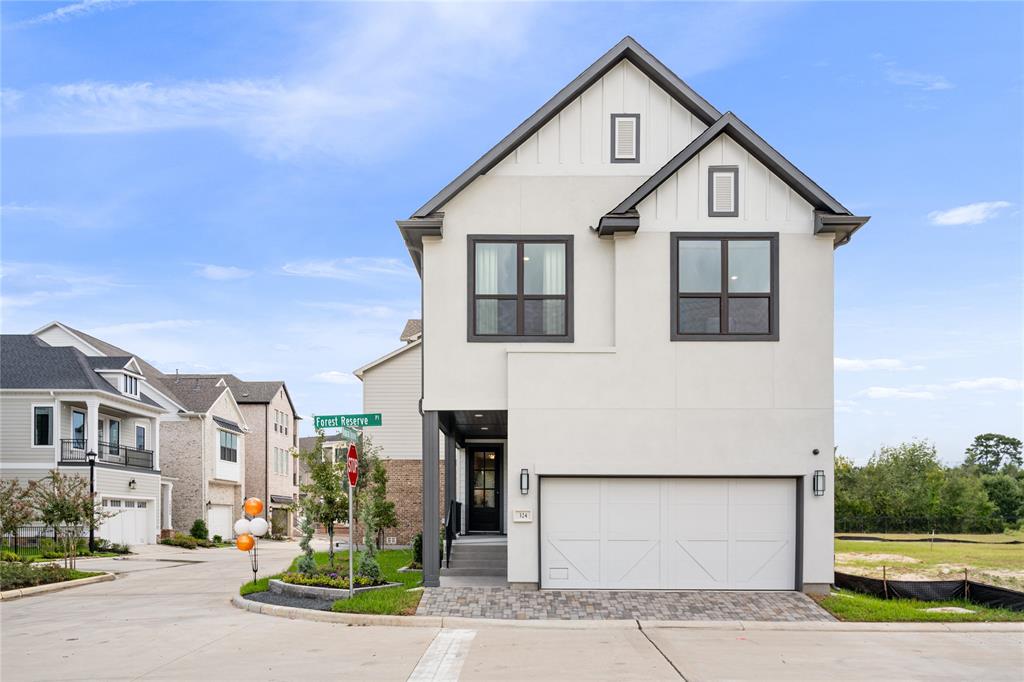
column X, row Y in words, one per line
column 137, row 327
column 30, row 284
column 222, row 272
column 350, row 269
column 885, row 392
column 970, row 214
column 75, row 10
column 867, row 364
column 987, row 384
column 335, row 377
column 916, row 79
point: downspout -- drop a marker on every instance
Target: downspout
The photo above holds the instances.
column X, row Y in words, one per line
column 266, row 462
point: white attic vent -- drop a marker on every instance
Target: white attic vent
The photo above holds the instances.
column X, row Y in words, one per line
column 723, row 191
column 625, row 138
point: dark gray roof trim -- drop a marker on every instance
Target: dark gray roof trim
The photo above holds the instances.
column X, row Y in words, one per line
column 413, row 232
column 227, row 424
column 625, row 223
column 843, row 226
column 281, row 499
column 627, row 48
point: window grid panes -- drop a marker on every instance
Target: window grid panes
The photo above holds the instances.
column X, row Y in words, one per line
column 228, row 447
column 724, row 287
column 520, row 288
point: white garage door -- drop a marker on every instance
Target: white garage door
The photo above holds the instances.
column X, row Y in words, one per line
column 671, row 533
column 130, row 523
column 219, row 521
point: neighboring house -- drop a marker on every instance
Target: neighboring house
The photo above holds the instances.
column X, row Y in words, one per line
column 627, row 331
column 271, row 472
column 391, row 386
column 208, row 443
column 58, row 404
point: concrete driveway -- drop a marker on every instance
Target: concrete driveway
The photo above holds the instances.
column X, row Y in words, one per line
column 168, row 616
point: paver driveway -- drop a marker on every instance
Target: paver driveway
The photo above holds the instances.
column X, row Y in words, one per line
column 167, row 619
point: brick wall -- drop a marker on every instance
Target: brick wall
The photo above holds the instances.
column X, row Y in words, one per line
column 405, row 489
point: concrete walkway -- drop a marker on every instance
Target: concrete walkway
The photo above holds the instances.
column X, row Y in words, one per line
column 168, row 616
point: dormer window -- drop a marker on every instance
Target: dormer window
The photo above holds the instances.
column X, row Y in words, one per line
column 131, row 385
column 723, row 191
column 625, row 138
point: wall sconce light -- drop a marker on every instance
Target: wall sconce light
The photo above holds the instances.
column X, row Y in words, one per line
column 524, row 481
column 819, row 483
column 209, row 504
column 131, row 484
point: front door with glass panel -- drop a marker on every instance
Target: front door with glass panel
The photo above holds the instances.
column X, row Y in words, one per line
column 484, row 469
column 78, row 430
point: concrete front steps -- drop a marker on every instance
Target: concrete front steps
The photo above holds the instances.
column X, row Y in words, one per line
column 477, row 559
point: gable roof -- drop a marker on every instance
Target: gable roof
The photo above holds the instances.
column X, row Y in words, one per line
column 247, row 392
column 384, row 358
column 627, row 48
column 26, row 361
column 413, row 329
column 196, row 392
column 624, row 217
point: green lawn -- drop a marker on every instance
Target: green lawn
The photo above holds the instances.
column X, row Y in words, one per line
column 388, row 601
column 851, row 606
column 34, row 554
column 995, row 564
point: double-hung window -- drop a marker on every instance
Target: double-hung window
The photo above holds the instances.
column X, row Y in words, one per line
column 228, row 446
column 42, row 425
column 520, row 288
column 725, row 286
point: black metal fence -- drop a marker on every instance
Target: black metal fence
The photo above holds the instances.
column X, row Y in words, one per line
column 38, row 541
column 73, row 451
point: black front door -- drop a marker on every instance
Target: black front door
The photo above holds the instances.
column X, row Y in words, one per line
column 484, row 464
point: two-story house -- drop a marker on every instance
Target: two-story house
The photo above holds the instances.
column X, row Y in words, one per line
column 60, row 407
column 627, row 323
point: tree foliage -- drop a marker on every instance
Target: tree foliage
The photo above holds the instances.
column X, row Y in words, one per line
column 991, row 452
column 15, row 506
column 65, row 504
column 324, row 499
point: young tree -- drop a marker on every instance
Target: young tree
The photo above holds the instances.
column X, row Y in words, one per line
column 306, row 563
column 15, row 508
column 66, row 505
column 380, row 510
column 325, row 498
column 990, row 452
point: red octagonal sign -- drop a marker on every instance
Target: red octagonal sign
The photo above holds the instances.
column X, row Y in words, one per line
column 353, row 466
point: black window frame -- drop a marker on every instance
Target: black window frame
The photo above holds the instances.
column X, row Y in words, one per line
column 519, row 296
column 723, row 294
column 35, row 426
column 225, row 449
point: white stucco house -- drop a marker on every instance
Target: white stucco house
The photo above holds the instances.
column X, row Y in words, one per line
column 628, row 327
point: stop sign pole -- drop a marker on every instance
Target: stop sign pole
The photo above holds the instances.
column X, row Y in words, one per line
column 353, row 477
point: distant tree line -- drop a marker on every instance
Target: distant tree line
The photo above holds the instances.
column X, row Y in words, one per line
column 906, row 488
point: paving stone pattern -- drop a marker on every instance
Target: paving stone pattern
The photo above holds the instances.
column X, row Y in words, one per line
column 503, row 603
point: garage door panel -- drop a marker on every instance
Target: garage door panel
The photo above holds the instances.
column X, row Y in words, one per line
column 669, row 533
column 219, row 521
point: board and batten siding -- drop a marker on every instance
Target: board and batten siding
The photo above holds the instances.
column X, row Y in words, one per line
column 393, row 389
column 578, row 140
column 16, row 430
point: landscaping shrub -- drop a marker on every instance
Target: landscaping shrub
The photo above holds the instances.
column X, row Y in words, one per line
column 15, row 575
column 417, row 549
column 368, row 568
column 332, row 579
column 7, row 555
column 199, row 530
column 217, row 540
column 181, row 540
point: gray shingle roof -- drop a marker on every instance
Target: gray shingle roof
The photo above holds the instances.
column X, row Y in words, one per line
column 155, row 377
column 197, row 393
column 28, row 362
column 412, row 329
column 116, row 362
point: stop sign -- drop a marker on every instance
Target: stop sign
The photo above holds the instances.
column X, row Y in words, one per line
column 353, row 466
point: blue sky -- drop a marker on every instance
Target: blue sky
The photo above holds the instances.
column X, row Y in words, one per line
column 213, row 186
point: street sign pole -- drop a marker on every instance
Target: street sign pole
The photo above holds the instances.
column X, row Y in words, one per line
column 351, row 545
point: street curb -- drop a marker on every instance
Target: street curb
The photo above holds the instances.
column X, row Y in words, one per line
column 360, row 619
column 55, row 587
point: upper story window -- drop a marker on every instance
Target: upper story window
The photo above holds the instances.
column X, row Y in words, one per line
column 726, row 286
column 723, row 191
column 42, row 425
column 520, row 288
column 131, row 385
column 625, row 138
column 228, row 446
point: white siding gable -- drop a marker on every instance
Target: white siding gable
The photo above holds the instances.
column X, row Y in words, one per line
column 578, row 140
column 393, row 389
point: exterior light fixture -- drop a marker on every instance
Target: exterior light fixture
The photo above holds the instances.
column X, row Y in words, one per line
column 819, row 482
column 524, row 481
column 478, row 415
column 91, row 458
column 131, row 484
column 483, row 428
column 209, row 504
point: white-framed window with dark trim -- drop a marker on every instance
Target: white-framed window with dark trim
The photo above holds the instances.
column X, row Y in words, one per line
column 723, row 191
column 725, row 286
column 625, row 146
column 228, row 446
column 140, row 437
column 520, row 288
column 42, row 425
column 131, row 385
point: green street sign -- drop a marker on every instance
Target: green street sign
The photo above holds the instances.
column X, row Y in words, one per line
column 338, row 421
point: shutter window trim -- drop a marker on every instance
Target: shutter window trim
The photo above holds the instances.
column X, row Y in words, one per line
column 723, row 191
column 625, row 138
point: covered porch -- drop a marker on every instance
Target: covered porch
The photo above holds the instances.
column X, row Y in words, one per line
column 119, row 434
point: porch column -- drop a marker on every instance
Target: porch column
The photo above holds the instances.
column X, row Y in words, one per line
column 57, row 417
column 156, row 443
column 431, row 518
column 449, row 476
column 92, row 426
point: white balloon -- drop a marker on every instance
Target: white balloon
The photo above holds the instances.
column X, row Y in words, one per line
column 259, row 527
column 242, row 526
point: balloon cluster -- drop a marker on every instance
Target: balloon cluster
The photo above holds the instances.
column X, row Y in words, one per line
column 248, row 529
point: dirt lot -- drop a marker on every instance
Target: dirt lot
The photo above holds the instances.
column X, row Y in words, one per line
column 994, row 562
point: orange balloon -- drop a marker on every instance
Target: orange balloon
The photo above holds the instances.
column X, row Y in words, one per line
column 253, row 506
column 245, row 542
